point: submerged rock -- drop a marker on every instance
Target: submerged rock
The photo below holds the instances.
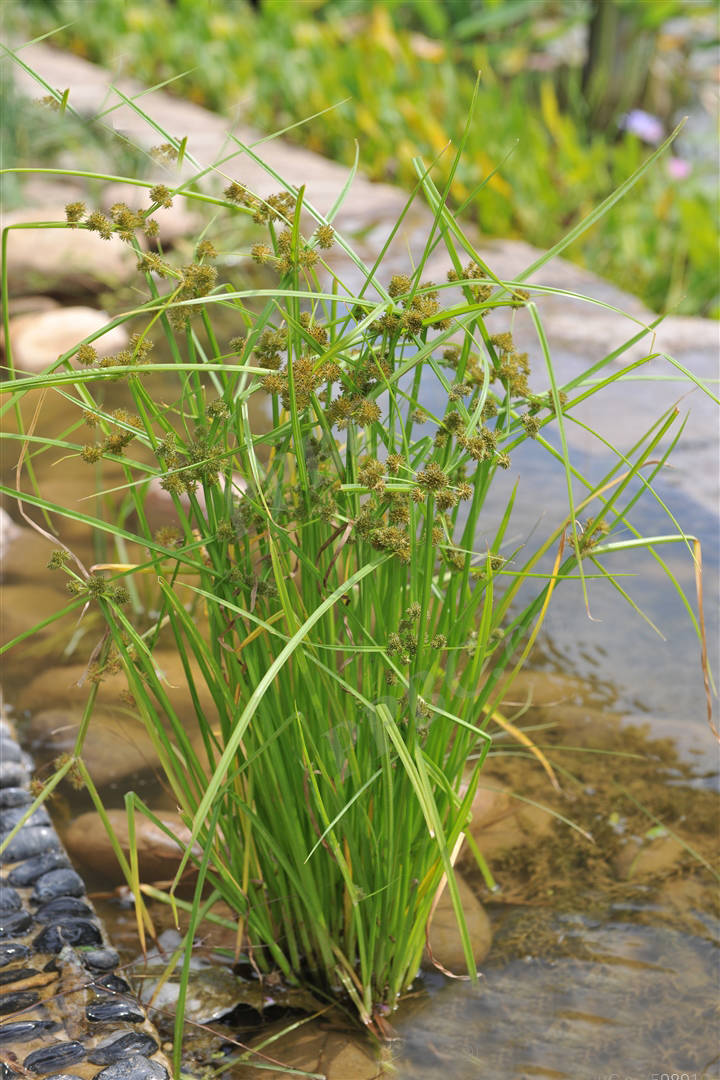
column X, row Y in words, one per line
column 30, row 870
column 62, row 882
column 136, row 1067
column 38, row 340
column 50, row 1058
column 88, row 843
column 31, row 840
column 135, row 1042
column 445, row 940
column 317, row 1048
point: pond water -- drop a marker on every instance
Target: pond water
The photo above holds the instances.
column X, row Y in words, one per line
column 595, row 970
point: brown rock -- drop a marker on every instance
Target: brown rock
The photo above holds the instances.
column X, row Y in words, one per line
column 88, row 844
column 500, row 821
column 63, row 261
column 445, row 940
column 316, row 1048
column 115, row 745
column 38, row 339
column 654, row 859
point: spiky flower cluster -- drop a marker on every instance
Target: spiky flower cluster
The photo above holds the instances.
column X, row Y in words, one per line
column 307, row 376
column 404, row 643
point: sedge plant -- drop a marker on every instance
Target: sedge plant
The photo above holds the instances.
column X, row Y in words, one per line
column 346, row 638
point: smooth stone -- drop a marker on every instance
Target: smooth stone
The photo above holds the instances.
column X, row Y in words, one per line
column 28, row 872
column 135, row 1042
column 9, row 533
column 24, row 606
column 12, row 952
column 67, row 931
column 20, row 1031
column 174, row 221
column 500, row 822
column 14, row 796
column 7, row 978
column 21, row 999
column 10, row 751
column 445, row 940
column 9, row 900
column 137, row 1067
column 13, row 774
column 100, row 959
column 88, row 843
column 26, row 305
column 336, row 1055
column 17, row 922
column 50, row 1058
column 68, row 261
column 31, row 840
column 63, row 905
column 26, row 560
column 116, row 745
column 654, row 859
column 113, row 984
column 12, row 817
column 38, row 340
column 62, row 882
column 114, row 1011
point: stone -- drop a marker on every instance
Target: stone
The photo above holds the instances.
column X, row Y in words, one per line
column 26, row 305
column 63, row 905
column 10, row 818
column 9, row 533
column 38, row 340
column 20, row 1031
column 445, row 940
column 67, row 931
column 9, row 954
column 24, row 606
column 17, row 1001
column 137, row 1067
column 174, row 221
column 317, row 1048
column 62, row 882
column 25, row 559
column 14, row 796
column 88, row 843
column 66, row 262
column 9, row 900
column 13, row 774
column 31, row 840
column 29, row 871
column 14, row 975
column 113, row 984
column 17, row 922
column 657, row 858
column 135, row 1042
column 101, row 959
column 114, row 1011
column 50, row 1058
column 500, row 822
column 116, row 745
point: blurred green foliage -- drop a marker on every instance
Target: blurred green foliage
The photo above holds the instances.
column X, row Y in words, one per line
column 401, row 77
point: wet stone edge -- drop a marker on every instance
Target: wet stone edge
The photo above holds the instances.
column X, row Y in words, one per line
column 63, row 1004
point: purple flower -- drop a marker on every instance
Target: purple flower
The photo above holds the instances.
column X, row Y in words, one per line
column 647, row 127
column 678, row 168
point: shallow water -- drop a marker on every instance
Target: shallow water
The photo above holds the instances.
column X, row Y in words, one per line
column 588, row 978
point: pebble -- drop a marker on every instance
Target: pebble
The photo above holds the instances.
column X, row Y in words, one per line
column 17, row 922
column 62, row 882
column 14, row 815
column 10, row 953
column 31, row 840
column 63, row 905
column 137, row 1067
column 13, row 774
column 21, row 999
column 9, row 750
column 101, row 959
column 445, row 940
column 24, row 1030
column 14, row 975
column 113, row 1011
column 49, row 1058
column 67, row 931
column 14, row 796
column 113, row 983
column 38, row 340
column 9, row 900
column 32, row 869
column 135, row 1042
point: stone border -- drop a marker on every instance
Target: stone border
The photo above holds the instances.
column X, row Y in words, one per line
column 62, row 1002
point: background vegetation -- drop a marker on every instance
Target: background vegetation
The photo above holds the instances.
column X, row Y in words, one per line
column 550, row 125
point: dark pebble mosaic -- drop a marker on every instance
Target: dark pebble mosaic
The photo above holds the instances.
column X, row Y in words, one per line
column 58, row 905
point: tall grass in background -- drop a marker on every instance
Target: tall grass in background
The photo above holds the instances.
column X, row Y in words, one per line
column 401, row 93
column 324, row 586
